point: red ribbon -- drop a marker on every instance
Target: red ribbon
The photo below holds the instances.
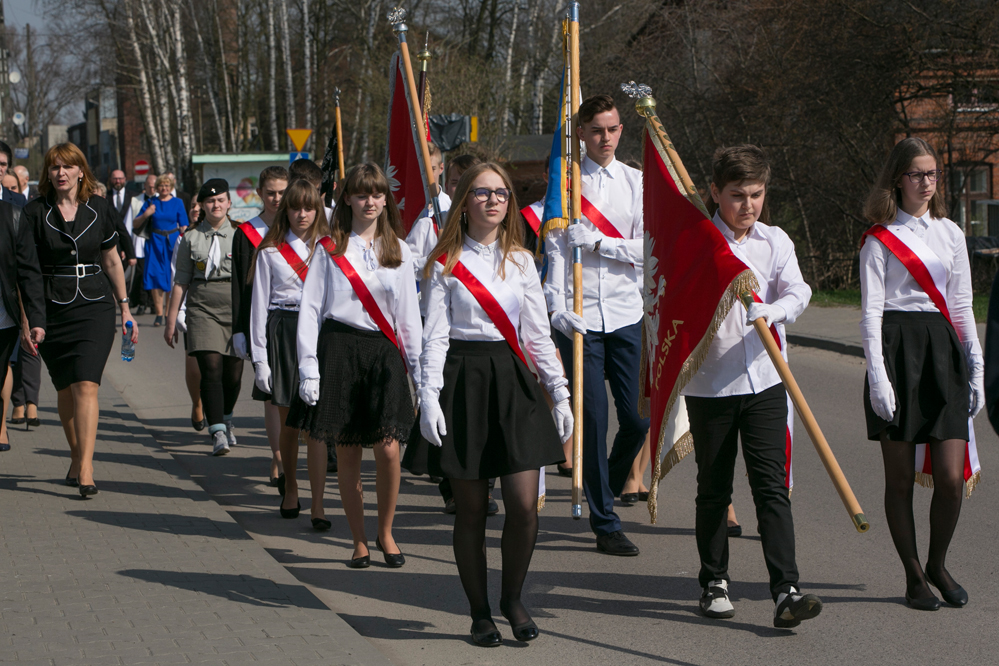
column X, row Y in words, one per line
column 293, row 260
column 252, row 234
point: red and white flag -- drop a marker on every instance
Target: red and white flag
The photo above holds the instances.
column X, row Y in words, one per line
column 403, row 160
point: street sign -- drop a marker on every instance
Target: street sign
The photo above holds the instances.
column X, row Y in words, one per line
column 18, row 118
column 299, row 137
column 21, row 153
column 141, row 168
column 297, row 156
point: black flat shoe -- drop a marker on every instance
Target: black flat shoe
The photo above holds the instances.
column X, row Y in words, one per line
column 88, row 491
column 290, row 513
column 72, row 481
column 524, row 632
column 643, row 496
column 734, row 531
column 362, row 562
column 17, row 421
column 564, row 471
column 629, row 499
column 4, row 447
column 321, row 524
column 957, row 598
column 490, row 637
column 34, row 423
column 393, row 561
column 926, row 604
column 199, row 425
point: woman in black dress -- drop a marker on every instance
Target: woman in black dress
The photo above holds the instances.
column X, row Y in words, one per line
column 75, row 235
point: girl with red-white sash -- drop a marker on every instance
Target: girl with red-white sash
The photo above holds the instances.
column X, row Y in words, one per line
column 925, row 373
column 278, row 271
column 483, row 414
column 359, row 334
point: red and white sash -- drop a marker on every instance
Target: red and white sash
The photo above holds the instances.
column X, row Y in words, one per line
column 253, row 233
column 777, row 330
column 369, row 291
column 931, row 275
column 602, row 215
column 533, row 215
column 496, row 298
column 297, row 264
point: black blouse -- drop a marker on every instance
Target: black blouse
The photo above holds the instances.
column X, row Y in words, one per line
column 70, row 253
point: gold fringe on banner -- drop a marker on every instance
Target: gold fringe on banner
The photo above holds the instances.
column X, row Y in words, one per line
column 541, row 503
column 926, row 481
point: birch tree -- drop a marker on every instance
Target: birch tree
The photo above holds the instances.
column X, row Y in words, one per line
column 290, row 119
column 272, row 76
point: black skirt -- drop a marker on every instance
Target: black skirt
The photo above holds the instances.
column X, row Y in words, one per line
column 498, row 422
column 364, row 395
column 926, row 366
column 78, row 340
column 282, row 357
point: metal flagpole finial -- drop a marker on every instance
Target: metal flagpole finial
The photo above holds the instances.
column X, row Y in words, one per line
column 425, row 55
column 397, row 17
column 336, row 95
column 642, row 94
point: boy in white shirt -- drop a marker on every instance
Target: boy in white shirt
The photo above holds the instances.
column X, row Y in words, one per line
column 737, row 392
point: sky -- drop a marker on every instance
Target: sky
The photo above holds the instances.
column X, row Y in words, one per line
column 18, row 13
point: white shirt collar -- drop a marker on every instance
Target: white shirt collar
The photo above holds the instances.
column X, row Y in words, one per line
column 479, row 248
column 913, row 222
column 754, row 231
column 294, row 241
column 589, row 167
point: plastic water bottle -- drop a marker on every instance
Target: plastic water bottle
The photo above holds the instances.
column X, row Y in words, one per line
column 127, row 346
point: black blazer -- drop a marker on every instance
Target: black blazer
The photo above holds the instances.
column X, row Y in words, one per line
column 16, row 198
column 61, row 245
column 19, row 268
column 127, row 201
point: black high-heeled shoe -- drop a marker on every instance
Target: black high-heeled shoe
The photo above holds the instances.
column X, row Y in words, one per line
column 290, row 513
column 34, row 423
column 72, row 481
column 88, row 490
column 393, row 561
column 489, row 637
column 321, row 524
column 525, row 631
column 957, row 598
column 16, row 420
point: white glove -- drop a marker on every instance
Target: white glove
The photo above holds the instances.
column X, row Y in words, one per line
column 976, row 398
column 562, row 413
column 308, row 391
column 262, row 376
column 566, row 321
column 772, row 314
column 239, row 346
column 182, row 321
column 883, row 399
column 580, row 236
column 432, row 424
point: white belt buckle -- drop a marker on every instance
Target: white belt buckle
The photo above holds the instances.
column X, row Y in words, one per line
column 81, row 270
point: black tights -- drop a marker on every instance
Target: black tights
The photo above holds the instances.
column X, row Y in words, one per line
column 220, row 384
column 520, row 532
column 945, row 508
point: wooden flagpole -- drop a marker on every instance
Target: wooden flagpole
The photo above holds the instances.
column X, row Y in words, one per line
column 646, row 107
column 339, row 133
column 577, row 267
column 397, row 18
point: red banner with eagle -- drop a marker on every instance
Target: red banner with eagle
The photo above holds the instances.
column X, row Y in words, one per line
column 403, row 165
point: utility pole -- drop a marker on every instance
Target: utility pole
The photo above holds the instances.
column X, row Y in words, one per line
column 4, row 78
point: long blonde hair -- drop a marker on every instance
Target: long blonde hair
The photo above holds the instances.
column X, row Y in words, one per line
column 369, row 179
column 300, row 195
column 882, row 203
column 452, row 236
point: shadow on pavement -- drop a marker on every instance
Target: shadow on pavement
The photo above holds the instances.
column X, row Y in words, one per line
column 166, row 523
column 246, row 589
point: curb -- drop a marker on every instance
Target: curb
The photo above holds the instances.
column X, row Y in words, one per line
column 826, row 344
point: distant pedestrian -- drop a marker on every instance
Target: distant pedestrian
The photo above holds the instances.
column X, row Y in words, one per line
column 23, row 177
column 168, row 218
column 140, row 233
column 7, row 194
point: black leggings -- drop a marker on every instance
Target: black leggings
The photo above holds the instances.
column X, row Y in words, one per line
column 220, row 384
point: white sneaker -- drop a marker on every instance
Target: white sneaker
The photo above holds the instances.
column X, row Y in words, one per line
column 714, row 601
column 220, row 444
column 230, row 433
column 793, row 607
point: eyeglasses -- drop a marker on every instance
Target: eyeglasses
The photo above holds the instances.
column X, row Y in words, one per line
column 917, row 176
column 482, row 194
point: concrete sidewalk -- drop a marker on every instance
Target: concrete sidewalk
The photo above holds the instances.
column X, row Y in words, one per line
column 151, row 570
column 835, row 329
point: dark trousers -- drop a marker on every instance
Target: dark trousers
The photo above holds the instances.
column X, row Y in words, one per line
column 716, row 425
column 27, row 379
column 8, row 341
column 136, row 294
column 617, row 356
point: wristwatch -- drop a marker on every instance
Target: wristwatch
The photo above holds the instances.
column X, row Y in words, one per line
column 124, row 301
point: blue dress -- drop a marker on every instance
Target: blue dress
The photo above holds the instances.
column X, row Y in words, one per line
column 166, row 222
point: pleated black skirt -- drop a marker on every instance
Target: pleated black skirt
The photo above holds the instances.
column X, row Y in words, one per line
column 498, row 422
column 926, row 366
column 78, row 340
column 282, row 357
column 364, row 395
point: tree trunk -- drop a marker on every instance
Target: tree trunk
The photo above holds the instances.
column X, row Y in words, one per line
column 185, row 124
column 272, row 77
column 144, row 93
column 505, row 116
column 538, row 124
column 369, row 46
column 210, row 80
column 534, row 9
column 290, row 120
column 307, row 52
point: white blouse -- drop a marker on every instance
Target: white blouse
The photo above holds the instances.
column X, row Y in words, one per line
column 886, row 286
column 422, row 240
column 328, row 294
column 453, row 312
column 276, row 286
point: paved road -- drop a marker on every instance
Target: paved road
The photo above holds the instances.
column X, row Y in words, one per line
column 594, row 609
